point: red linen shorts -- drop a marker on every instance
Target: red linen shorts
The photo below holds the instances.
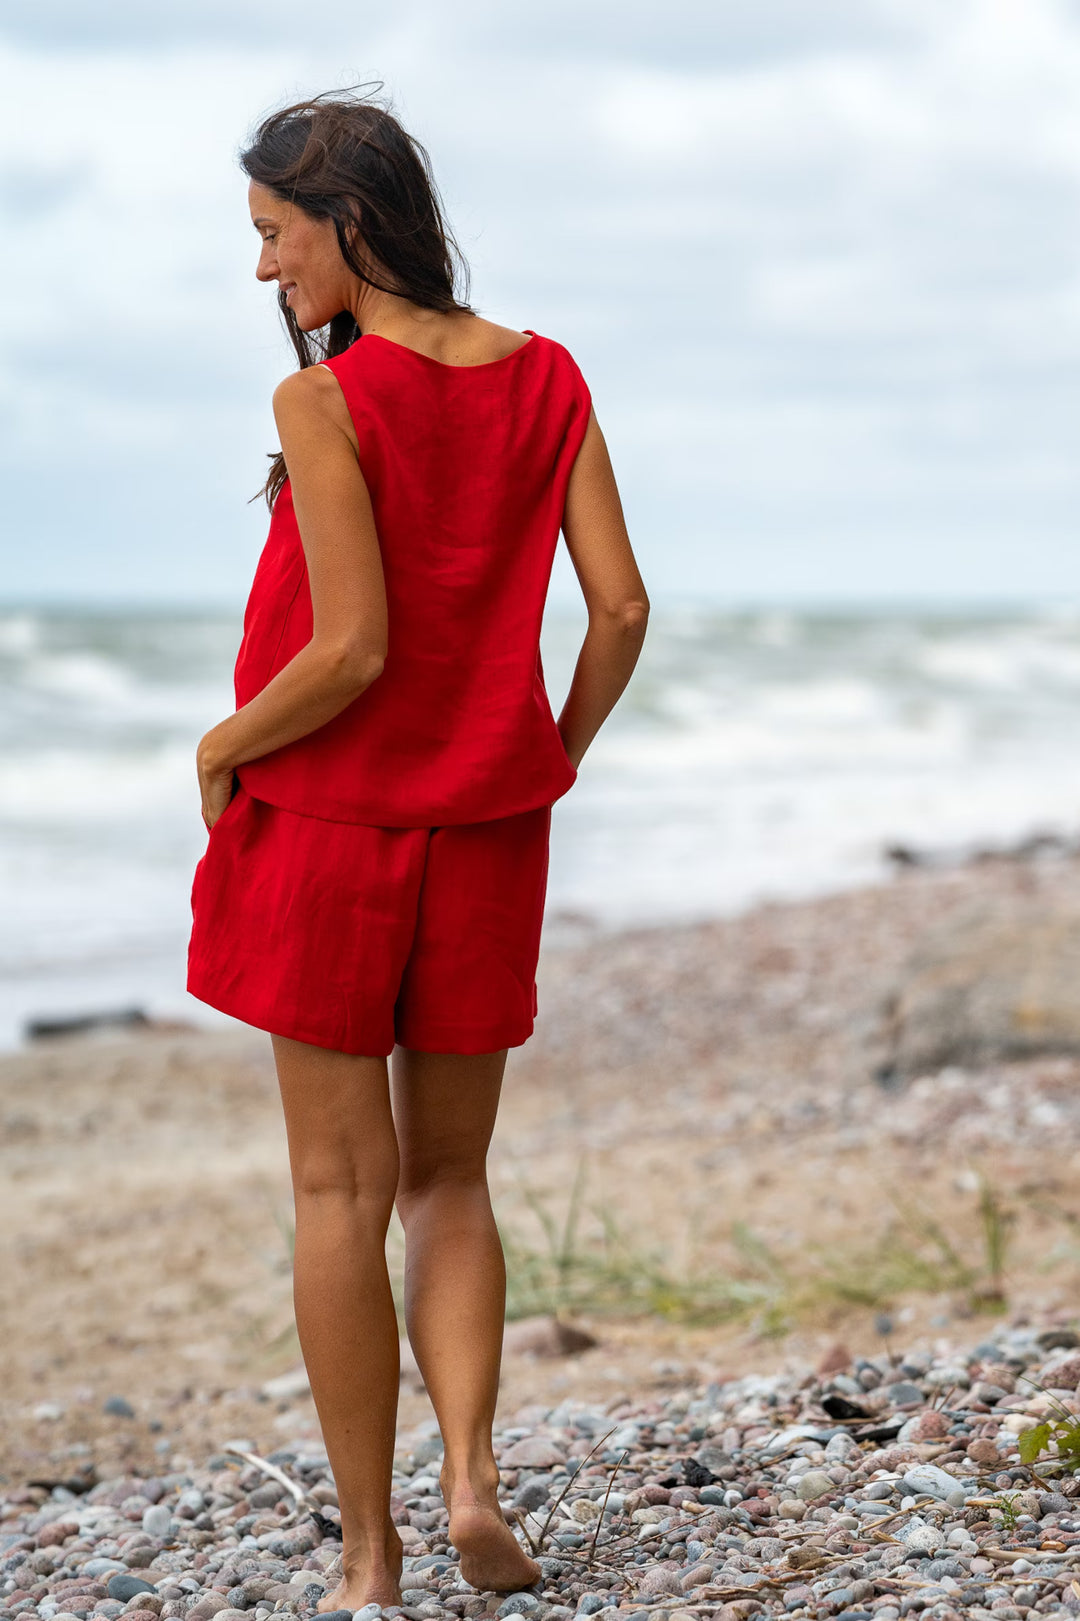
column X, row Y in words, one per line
column 356, row 938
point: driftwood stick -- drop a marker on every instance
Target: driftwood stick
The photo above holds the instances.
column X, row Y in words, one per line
column 301, row 1497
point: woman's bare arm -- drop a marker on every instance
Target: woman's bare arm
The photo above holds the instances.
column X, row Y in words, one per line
column 595, row 532
column 348, row 593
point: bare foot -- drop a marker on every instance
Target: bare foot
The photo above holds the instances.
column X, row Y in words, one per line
column 366, row 1584
column 491, row 1557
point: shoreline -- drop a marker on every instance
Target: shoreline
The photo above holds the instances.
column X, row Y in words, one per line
column 568, row 928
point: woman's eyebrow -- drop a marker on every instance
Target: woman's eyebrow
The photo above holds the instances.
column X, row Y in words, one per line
column 262, row 220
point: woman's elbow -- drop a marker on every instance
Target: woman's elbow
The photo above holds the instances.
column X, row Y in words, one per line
column 635, row 615
column 629, row 615
column 355, row 666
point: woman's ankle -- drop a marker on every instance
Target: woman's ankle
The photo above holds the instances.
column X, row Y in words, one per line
column 367, row 1551
column 473, row 1481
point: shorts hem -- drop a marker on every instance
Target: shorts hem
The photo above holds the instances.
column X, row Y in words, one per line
column 468, row 1043
column 310, row 1038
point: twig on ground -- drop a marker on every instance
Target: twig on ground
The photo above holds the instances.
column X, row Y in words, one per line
column 300, row 1495
column 607, row 1494
column 570, row 1482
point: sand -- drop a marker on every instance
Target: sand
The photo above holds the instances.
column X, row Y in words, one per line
column 714, row 1087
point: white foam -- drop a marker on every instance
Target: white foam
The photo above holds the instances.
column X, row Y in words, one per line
column 754, row 756
column 18, row 633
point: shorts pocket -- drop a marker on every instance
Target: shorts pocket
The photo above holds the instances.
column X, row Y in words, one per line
column 240, row 790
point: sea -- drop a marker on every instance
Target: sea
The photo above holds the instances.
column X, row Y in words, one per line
column 758, row 754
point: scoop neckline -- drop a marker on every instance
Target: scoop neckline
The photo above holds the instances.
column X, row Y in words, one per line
column 444, row 365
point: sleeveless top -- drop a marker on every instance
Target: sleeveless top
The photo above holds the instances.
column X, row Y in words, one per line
column 467, row 467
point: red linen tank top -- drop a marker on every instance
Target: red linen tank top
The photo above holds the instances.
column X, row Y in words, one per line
column 467, row 467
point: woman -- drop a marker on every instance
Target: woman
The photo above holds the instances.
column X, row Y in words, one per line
column 379, row 804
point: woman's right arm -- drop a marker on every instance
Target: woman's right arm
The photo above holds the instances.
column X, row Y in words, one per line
column 595, row 532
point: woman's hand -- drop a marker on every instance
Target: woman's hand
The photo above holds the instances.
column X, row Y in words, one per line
column 216, row 784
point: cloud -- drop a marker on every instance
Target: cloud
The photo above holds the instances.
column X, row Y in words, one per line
column 600, row 32
column 28, row 191
column 819, row 263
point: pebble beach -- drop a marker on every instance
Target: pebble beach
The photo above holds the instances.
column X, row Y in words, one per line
column 820, row 1440
column 887, row 1486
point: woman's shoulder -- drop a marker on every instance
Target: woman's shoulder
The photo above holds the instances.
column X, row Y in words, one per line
column 308, row 385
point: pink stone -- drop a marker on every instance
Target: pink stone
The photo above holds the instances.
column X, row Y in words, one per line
column 835, row 1360
column 984, row 1451
column 1064, row 1377
column 532, row 1452
column 50, row 1536
column 659, row 1580
column 930, row 1426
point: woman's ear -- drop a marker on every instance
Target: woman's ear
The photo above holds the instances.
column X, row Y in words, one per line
column 354, row 239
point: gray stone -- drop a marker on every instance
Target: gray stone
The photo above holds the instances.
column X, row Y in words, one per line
column 920, row 1538
column 123, row 1587
column 518, row 1604
column 840, row 1448
column 786, row 1438
column 990, row 1395
column 427, row 1451
column 96, row 1568
column 532, row 1495
column 157, row 1521
column 119, row 1407
column 903, row 1393
column 815, row 1483
column 926, row 1479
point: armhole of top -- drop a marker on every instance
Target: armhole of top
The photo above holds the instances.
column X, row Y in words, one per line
column 349, row 410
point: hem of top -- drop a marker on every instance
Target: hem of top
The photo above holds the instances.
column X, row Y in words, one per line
column 406, row 827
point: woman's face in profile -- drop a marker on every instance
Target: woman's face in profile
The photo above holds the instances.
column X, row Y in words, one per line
column 302, row 255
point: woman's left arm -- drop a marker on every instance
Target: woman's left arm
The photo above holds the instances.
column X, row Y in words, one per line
column 348, row 592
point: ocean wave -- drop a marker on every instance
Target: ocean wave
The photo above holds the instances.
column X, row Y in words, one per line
column 756, row 754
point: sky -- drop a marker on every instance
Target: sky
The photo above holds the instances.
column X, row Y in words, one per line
column 819, row 261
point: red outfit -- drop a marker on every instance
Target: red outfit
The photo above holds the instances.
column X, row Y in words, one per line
column 355, row 938
column 383, row 878
column 467, row 468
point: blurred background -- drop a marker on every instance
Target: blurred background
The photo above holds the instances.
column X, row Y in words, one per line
column 820, row 264
column 819, row 261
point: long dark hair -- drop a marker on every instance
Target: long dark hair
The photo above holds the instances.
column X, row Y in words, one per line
column 342, row 156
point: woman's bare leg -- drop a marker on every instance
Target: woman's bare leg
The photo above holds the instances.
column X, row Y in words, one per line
column 344, row 1159
column 455, row 1290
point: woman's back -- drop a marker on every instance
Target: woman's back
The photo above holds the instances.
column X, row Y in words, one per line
column 467, row 465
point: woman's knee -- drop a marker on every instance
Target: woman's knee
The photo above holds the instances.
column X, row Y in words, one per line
column 340, row 1177
column 423, row 1175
